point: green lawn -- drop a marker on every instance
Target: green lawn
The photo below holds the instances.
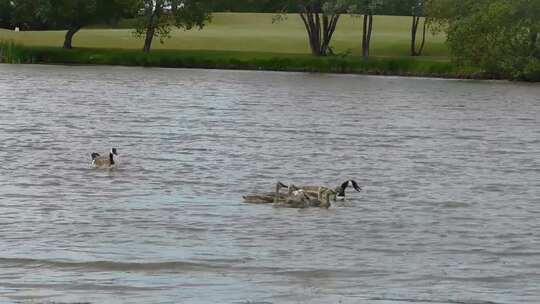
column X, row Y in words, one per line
column 251, row 33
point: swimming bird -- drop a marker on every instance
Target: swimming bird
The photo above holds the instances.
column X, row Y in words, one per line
column 341, row 189
column 294, row 199
column 99, row 161
column 336, row 193
column 266, row 198
column 320, row 199
column 325, row 201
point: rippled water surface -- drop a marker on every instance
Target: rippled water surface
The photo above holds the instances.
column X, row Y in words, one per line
column 449, row 212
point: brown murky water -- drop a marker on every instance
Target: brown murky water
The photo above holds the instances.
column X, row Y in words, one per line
column 450, row 169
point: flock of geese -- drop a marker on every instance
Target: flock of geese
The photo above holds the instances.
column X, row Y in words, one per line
column 302, row 196
column 295, row 197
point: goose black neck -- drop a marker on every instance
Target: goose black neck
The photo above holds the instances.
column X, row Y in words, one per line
column 111, row 158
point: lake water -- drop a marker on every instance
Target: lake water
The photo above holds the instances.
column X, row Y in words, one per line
column 449, row 212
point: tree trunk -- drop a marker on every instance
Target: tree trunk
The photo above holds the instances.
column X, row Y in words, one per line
column 366, row 34
column 329, row 28
column 370, row 30
column 320, row 29
column 414, row 30
column 535, row 50
column 69, row 36
column 423, row 43
column 152, row 24
column 150, row 31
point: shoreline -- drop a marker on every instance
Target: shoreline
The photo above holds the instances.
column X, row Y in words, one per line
column 237, row 60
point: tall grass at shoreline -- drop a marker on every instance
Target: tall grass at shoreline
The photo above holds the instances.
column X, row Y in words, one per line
column 239, row 60
column 11, row 52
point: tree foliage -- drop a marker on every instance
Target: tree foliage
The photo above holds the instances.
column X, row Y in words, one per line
column 68, row 14
column 387, row 7
column 6, row 13
column 32, row 15
column 500, row 36
column 255, row 6
column 157, row 17
column 400, row 7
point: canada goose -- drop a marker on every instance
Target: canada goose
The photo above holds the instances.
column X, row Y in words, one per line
column 322, row 203
column 294, row 199
column 320, row 199
column 266, row 198
column 336, row 193
column 341, row 189
column 99, row 161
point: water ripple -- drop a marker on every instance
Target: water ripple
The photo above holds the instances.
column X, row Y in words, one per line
column 448, row 214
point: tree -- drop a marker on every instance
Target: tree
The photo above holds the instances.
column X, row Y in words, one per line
column 6, row 12
column 253, row 6
column 159, row 16
column 417, row 8
column 366, row 8
column 68, row 14
column 320, row 19
column 31, row 15
column 396, row 7
column 499, row 36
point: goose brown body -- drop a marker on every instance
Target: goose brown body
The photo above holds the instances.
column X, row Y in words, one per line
column 334, row 193
column 263, row 198
column 296, row 199
column 267, row 197
column 108, row 161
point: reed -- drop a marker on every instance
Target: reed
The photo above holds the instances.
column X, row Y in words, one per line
column 11, row 52
column 238, row 60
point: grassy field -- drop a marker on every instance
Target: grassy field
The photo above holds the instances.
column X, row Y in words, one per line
column 251, row 33
column 243, row 41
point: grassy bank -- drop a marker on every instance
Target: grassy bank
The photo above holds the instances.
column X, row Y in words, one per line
column 244, row 41
column 237, row 60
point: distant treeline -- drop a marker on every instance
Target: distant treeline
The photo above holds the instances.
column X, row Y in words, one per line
column 500, row 36
column 249, row 6
column 388, row 7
